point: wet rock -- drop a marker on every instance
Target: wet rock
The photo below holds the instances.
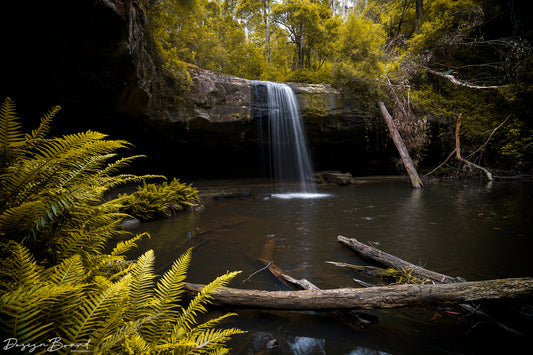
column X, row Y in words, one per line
column 130, row 224
column 334, row 177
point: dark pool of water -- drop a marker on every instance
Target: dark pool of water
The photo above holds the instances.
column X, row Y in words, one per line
column 476, row 231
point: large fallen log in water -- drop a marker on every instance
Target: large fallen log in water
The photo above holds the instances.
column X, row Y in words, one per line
column 417, row 271
column 372, row 298
column 395, row 262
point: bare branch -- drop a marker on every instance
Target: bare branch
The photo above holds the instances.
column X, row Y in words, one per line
column 456, row 81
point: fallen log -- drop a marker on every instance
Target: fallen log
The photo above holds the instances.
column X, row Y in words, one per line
column 382, row 297
column 352, row 318
column 395, row 262
column 394, row 275
column 420, row 272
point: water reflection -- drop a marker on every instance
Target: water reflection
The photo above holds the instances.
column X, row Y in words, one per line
column 306, row 345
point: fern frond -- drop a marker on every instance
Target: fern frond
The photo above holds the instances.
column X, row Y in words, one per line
column 25, row 310
column 197, row 305
column 10, row 132
column 70, row 270
column 213, row 339
column 126, row 245
column 166, row 298
column 128, row 335
column 97, row 313
column 141, row 287
column 19, row 220
column 20, row 266
column 170, row 285
column 135, row 344
column 44, row 126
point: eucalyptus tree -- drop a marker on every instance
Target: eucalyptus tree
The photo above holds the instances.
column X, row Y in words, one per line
column 257, row 16
column 310, row 26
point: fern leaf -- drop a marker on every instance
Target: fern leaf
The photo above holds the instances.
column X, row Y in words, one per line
column 197, row 305
column 97, row 313
column 128, row 335
column 25, row 310
column 70, row 270
column 22, row 266
column 124, row 246
column 44, row 126
column 10, row 132
column 141, row 287
column 165, row 301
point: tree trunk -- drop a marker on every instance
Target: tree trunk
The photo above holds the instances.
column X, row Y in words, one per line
column 407, row 162
column 383, row 297
column 419, row 14
column 395, row 262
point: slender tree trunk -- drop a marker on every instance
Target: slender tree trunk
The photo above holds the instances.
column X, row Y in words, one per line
column 407, row 162
column 419, row 14
column 267, row 32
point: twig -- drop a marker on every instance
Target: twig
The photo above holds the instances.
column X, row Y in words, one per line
column 444, row 162
column 490, row 136
column 251, row 275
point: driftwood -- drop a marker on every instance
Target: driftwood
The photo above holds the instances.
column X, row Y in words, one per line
column 407, row 162
column 395, row 262
column 382, row 297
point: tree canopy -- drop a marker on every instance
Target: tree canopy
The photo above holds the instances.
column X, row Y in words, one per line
column 448, row 57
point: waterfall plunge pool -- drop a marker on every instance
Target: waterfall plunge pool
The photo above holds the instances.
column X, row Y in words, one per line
column 477, row 231
column 300, row 195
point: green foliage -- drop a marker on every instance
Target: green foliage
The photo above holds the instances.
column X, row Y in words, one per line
column 152, row 201
column 360, row 44
column 56, row 282
column 363, row 50
column 52, row 189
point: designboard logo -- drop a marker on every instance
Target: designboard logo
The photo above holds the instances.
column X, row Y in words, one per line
column 52, row 345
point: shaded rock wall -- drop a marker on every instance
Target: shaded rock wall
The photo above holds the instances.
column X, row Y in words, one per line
column 93, row 58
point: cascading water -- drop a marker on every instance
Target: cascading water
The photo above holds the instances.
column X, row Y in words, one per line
column 288, row 152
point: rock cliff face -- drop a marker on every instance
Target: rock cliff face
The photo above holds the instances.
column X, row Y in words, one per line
column 92, row 58
column 225, row 111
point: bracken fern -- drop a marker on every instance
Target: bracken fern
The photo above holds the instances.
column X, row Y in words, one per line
column 56, row 280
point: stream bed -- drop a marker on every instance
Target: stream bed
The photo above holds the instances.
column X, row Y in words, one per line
column 474, row 230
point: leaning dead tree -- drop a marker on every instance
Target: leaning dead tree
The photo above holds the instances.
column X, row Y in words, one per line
column 380, row 297
column 400, row 145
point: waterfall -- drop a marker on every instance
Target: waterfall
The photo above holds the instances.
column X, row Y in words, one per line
column 290, row 161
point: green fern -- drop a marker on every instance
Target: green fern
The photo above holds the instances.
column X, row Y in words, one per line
column 56, row 280
column 11, row 135
column 152, row 201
